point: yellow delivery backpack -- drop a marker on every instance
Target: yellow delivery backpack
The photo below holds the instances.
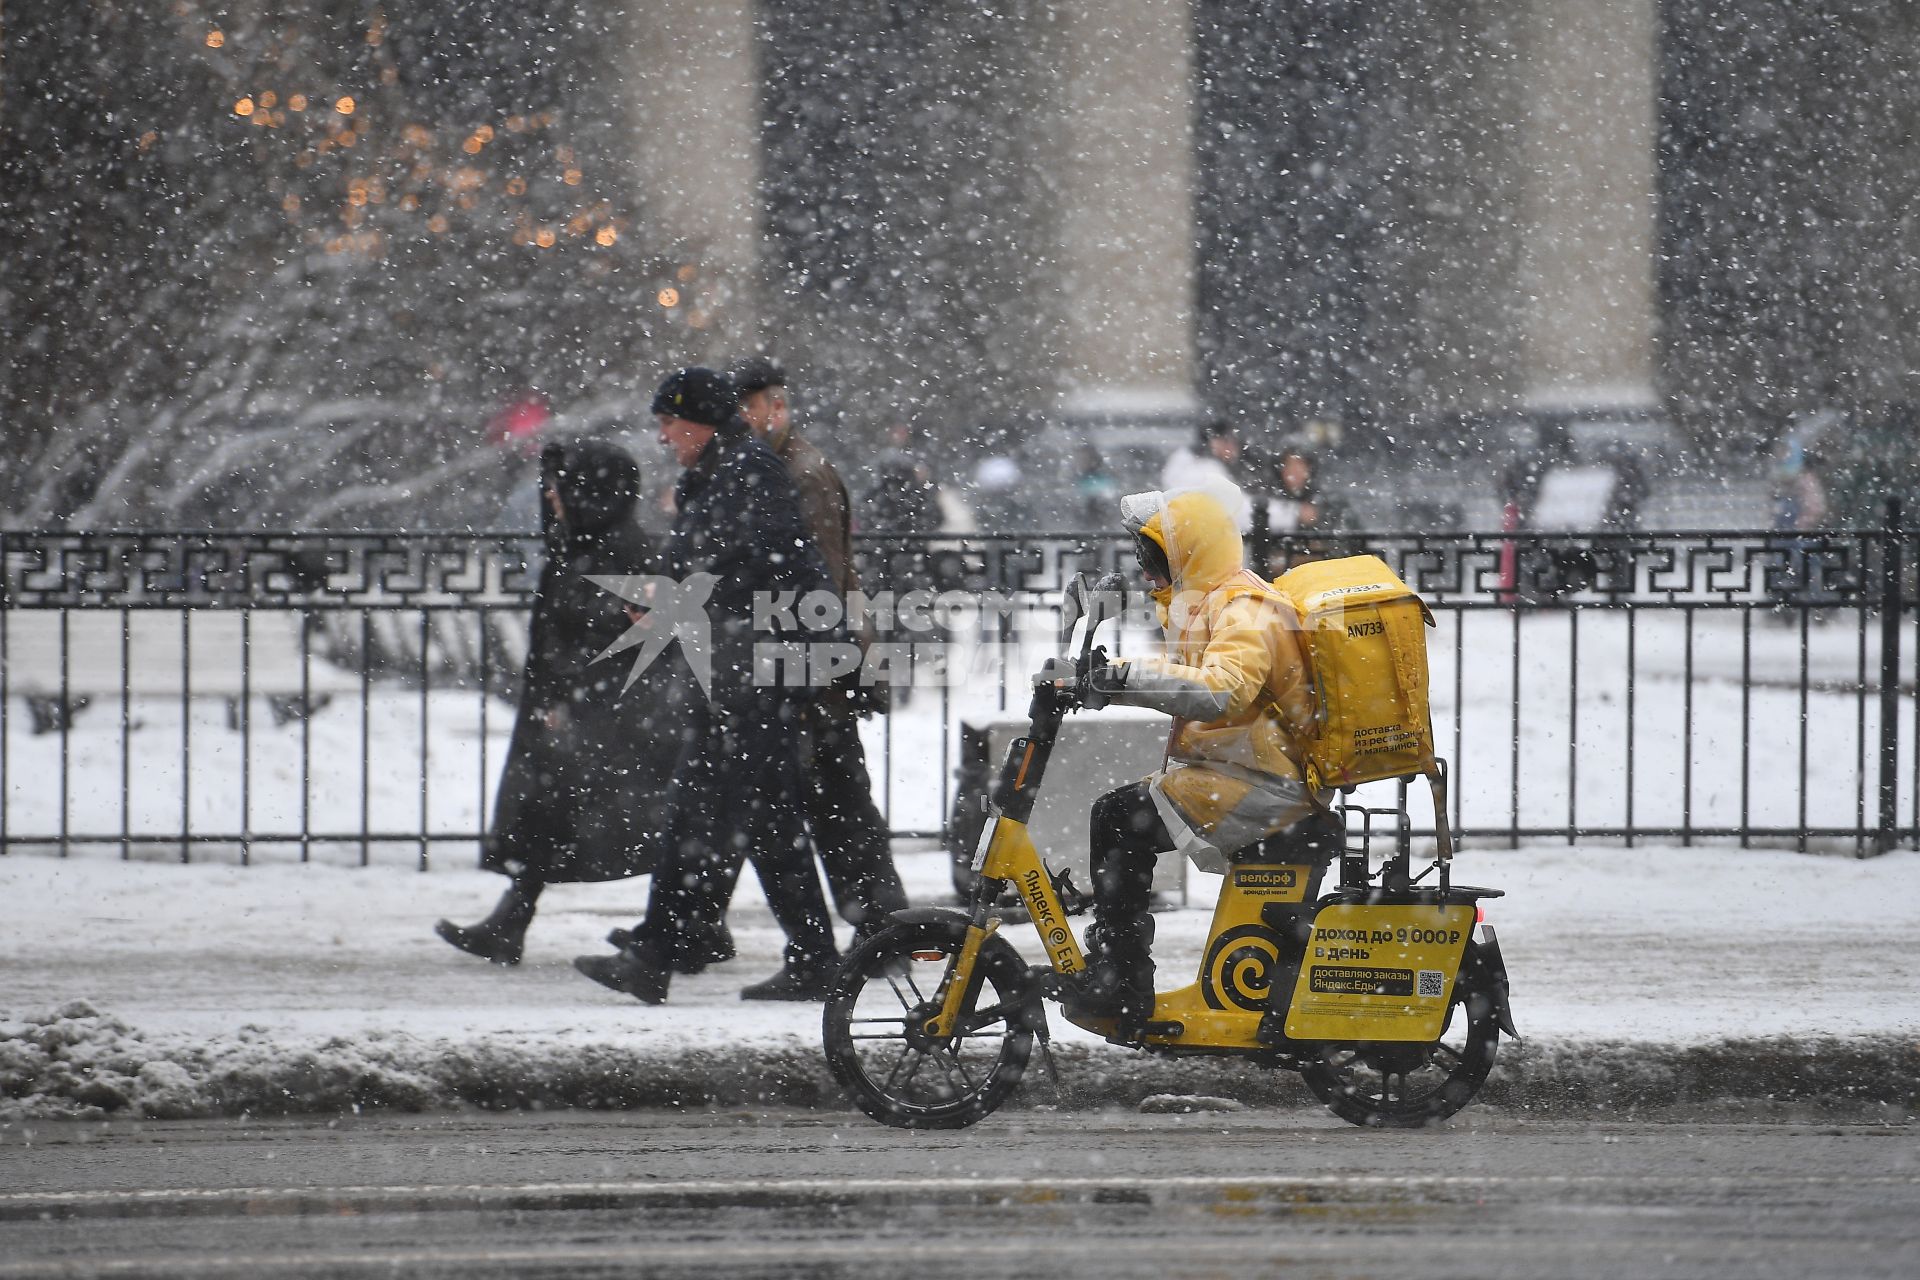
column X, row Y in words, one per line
column 1364, row 633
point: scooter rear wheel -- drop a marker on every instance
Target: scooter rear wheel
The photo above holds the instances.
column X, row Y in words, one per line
column 1407, row 1086
column 896, row 1073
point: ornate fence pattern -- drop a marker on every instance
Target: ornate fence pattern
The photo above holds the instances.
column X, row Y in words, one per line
column 192, row 694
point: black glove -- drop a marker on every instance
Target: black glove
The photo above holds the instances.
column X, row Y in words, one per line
column 1102, row 682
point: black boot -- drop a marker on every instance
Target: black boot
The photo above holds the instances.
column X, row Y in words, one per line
column 630, row 971
column 502, row 935
column 715, row 949
column 801, row 978
column 1118, row 979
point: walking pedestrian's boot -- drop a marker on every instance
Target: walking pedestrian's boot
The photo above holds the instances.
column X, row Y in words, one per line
column 1118, row 980
column 630, row 972
column 718, row 946
column 499, row 938
column 800, row 979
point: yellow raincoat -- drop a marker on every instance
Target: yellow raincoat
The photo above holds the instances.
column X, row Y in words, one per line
column 1233, row 677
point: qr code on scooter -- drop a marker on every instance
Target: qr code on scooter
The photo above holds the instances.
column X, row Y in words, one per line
column 1433, row 983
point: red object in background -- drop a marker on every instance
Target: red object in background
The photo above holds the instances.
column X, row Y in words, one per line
column 520, row 423
column 1509, row 554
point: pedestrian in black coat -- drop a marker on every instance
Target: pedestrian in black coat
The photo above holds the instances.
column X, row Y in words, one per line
column 738, row 791
column 583, row 792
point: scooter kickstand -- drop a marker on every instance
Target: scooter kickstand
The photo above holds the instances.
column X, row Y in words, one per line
column 1053, row 1072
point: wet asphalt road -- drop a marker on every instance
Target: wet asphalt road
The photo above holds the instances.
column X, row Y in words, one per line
column 1026, row 1193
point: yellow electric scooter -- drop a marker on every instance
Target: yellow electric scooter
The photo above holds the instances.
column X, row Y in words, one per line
column 1385, row 994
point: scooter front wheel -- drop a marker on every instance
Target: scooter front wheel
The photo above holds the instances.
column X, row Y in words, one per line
column 874, row 1034
column 1395, row 1086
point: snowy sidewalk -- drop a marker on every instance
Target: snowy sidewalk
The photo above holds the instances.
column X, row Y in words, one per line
column 217, row 989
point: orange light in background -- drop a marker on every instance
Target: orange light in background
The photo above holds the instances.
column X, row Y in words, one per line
column 410, row 202
column 216, row 39
column 348, row 138
column 687, row 273
column 298, row 102
column 472, row 146
column 484, row 133
column 516, row 186
column 147, row 140
column 290, row 205
column 669, row 297
column 571, row 177
column 344, row 106
column 545, row 237
column 606, row 235
column 437, row 224
column 269, row 99
column 244, row 107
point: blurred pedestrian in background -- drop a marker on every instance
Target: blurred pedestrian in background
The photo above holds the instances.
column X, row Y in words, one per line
column 1799, row 507
column 1293, row 509
column 899, row 506
column 1095, row 488
column 1630, row 489
column 900, row 495
column 997, row 480
column 582, row 795
column 1211, row 466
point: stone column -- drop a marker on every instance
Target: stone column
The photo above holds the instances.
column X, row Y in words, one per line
column 695, row 96
column 1123, row 182
column 1588, row 79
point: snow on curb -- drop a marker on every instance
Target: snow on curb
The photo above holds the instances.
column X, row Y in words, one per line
column 76, row 1062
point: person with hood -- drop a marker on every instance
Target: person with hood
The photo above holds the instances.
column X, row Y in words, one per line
column 581, row 795
column 738, row 536
column 1296, row 509
column 1234, row 679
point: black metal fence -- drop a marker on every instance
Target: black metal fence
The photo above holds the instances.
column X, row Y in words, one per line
column 246, row 695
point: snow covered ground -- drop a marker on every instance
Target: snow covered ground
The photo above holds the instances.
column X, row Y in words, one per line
column 220, row 976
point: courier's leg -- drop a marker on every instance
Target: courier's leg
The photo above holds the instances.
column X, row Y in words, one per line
column 1126, row 839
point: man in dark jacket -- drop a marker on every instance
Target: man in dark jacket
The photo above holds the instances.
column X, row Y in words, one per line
column 848, row 831
column 738, row 790
column 582, row 793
